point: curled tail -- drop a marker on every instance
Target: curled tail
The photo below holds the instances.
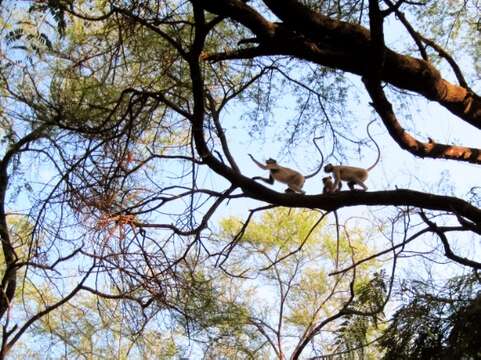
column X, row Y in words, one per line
column 322, row 159
column 377, row 146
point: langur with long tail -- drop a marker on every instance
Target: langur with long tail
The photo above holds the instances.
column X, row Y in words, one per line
column 292, row 178
column 353, row 175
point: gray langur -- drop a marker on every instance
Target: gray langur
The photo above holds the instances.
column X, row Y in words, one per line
column 329, row 185
column 353, row 175
column 292, row 178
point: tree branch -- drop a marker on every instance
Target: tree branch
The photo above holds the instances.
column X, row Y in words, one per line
column 447, row 248
column 311, row 36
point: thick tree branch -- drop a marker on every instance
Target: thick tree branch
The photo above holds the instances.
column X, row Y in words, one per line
column 308, row 35
column 239, row 11
column 419, row 39
column 372, row 80
column 328, row 202
column 406, row 141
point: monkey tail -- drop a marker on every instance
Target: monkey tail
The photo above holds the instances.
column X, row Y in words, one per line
column 322, row 158
column 377, row 146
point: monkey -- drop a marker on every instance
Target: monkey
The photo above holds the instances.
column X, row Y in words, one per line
column 353, row 175
column 329, row 185
column 294, row 179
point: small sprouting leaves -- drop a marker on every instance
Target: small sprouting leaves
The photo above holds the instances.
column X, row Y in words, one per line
column 14, row 35
column 55, row 8
column 27, row 37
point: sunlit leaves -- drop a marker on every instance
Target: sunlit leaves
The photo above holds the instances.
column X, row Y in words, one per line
column 282, row 228
column 96, row 327
column 295, row 253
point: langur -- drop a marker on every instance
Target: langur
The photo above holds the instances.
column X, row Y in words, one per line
column 294, row 179
column 353, row 175
column 329, row 185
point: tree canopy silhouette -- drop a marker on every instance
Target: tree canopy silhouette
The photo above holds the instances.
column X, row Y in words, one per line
column 119, row 151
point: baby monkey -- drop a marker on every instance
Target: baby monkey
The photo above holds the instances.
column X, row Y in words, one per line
column 294, row 179
column 329, row 185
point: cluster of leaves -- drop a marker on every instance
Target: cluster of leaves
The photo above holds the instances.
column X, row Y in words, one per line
column 445, row 324
column 357, row 332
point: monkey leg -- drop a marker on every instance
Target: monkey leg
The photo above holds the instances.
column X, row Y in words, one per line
column 297, row 188
column 360, row 183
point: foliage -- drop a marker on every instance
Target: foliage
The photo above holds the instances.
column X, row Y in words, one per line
column 440, row 325
column 302, row 294
column 93, row 327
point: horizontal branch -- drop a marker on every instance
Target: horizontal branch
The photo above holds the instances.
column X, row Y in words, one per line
column 398, row 197
column 338, row 200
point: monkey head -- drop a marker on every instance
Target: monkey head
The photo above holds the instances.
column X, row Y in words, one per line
column 271, row 164
column 327, row 180
column 328, row 168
